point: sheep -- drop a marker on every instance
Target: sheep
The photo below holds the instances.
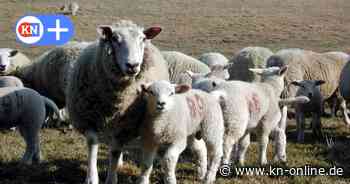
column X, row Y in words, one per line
column 12, row 61
column 199, row 112
column 308, row 65
column 344, row 89
column 49, row 72
column 311, row 89
column 341, row 59
column 25, row 108
column 178, row 63
column 102, row 98
column 70, row 8
column 249, row 57
column 10, row 81
column 213, row 58
column 259, row 109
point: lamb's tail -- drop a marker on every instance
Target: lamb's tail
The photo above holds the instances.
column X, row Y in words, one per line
column 51, row 104
column 294, row 100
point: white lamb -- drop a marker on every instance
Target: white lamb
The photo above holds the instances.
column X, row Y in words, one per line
column 173, row 119
column 248, row 107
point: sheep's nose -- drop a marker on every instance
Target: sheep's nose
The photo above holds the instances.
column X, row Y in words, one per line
column 160, row 105
column 2, row 67
column 310, row 95
column 132, row 68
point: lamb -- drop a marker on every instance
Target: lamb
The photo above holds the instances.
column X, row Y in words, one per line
column 49, row 72
column 178, row 63
column 249, row 57
column 213, row 58
column 102, row 98
column 258, row 110
column 311, row 89
column 344, row 89
column 12, row 61
column 174, row 116
column 10, row 81
column 25, row 109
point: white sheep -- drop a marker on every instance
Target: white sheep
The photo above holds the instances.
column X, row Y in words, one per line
column 102, row 96
column 178, row 63
column 12, row 61
column 174, row 116
column 259, row 110
column 24, row 108
column 213, row 58
column 311, row 89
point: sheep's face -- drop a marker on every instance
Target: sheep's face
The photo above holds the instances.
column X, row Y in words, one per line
column 127, row 45
column 160, row 95
column 5, row 59
column 308, row 87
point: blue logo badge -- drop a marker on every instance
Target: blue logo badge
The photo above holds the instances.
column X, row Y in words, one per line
column 44, row 30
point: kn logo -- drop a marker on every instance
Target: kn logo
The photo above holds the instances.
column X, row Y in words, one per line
column 44, row 30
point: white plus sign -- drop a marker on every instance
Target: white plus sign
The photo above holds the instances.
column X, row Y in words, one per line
column 57, row 29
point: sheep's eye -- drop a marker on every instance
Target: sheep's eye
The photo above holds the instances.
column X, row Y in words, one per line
column 172, row 93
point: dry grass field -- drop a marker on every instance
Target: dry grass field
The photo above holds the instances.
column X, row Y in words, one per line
column 192, row 27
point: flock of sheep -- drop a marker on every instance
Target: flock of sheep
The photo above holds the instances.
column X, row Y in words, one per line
column 122, row 87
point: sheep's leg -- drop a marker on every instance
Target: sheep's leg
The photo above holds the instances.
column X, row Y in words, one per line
column 199, row 148
column 115, row 161
column 316, row 125
column 280, row 137
column 264, row 133
column 92, row 144
column 214, row 147
column 242, row 148
column 170, row 160
column 31, row 137
column 300, row 126
column 345, row 113
column 149, row 154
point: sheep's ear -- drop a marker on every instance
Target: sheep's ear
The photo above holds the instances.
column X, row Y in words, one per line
column 283, row 70
column 259, row 71
column 105, row 32
column 152, row 32
column 182, row 88
column 13, row 52
column 319, row 82
column 296, row 83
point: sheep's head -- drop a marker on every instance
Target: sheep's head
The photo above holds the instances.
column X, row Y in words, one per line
column 5, row 59
column 308, row 87
column 159, row 94
column 125, row 43
column 207, row 82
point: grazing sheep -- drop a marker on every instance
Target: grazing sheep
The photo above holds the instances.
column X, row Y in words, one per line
column 49, row 72
column 213, row 58
column 249, row 57
column 10, row 81
column 174, row 116
column 70, row 8
column 259, row 110
column 12, row 61
column 341, row 59
column 344, row 89
column 102, row 96
column 311, row 89
column 25, row 108
column 178, row 63
column 307, row 65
